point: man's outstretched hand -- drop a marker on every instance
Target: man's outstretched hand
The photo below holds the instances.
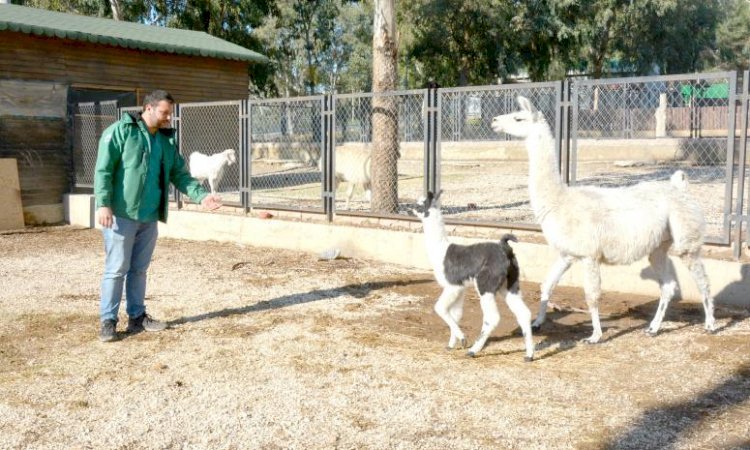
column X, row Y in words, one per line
column 211, row 202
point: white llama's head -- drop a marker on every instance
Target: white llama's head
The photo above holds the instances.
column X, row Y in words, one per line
column 519, row 123
column 427, row 206
column 231, row 156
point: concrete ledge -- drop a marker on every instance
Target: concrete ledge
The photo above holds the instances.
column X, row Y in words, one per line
column 11, row 217
column 44, row 214
column 730, row 280
column 371, row 238
column 79, row 209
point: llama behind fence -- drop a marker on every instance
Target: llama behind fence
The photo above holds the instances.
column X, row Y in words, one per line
column 211, row 167
column 352, row 165
column 491, row 267
column 608, row 225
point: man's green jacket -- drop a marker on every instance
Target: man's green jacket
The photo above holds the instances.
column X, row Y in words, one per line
column 122, row 164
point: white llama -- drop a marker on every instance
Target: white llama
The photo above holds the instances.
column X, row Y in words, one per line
column 608, row 225
column 490, row 266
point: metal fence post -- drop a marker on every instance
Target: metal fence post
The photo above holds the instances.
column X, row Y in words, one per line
column 563, row 130
column 176, row 124
column 431, row 140
column 246, row 153
column 327, row 138
column 744, row 102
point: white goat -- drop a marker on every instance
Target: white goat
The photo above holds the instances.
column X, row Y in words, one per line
column 353, row 166
column 608, row 225
column 211, row 167
column 491, row 267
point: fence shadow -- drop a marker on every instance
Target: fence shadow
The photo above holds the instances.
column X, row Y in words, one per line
column 696, row 175
column 661, row 427
column 284, row 179
column 359, row 290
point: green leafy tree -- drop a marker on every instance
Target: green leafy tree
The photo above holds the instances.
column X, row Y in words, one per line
column 674, row 36
column 93, row 8
column 733, row 37
column 456, row 42
column 303, row 37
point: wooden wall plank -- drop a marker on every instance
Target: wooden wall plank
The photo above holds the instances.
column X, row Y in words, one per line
column 188, row 78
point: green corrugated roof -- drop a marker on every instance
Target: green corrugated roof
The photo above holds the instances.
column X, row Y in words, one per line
column 122, row 34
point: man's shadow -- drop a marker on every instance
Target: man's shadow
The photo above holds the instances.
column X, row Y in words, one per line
column 358, row 290
column 661, row 427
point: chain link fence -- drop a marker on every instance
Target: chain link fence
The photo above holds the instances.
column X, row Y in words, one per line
column 627, row 131
column 484, row 174
column 285, row 149
column 378, row 155
column 89, row 122
column 209, row 140
column 388, row 149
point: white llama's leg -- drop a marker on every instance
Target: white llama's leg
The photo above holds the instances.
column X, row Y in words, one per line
column 695, row 264
column 490, row 319
column 523, row 317
column 553, row 277
column 212, row 185
column 592, row 286
column 349, row 193
column 368, row 191
column 667, row 282
column 442, row 308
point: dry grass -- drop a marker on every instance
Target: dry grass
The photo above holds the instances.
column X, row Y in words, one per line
column 274, row 349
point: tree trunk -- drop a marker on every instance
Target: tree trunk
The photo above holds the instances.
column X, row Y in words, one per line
column 385, row 143
column 116, row 10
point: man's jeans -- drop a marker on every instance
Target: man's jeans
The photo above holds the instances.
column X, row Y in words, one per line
column 128, row 246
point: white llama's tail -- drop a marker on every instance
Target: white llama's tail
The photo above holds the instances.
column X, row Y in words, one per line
column 679, row 180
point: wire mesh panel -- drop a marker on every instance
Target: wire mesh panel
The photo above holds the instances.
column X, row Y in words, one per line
column 209, row 140
column 484, row 175
column 626, row 131
column 286, row 147
column 129, row 110
column 379, row 144
column 89, row 122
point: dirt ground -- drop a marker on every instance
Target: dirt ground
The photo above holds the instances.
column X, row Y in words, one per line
column 275, row 349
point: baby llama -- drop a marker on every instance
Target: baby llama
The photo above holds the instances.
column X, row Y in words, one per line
column 491, row 267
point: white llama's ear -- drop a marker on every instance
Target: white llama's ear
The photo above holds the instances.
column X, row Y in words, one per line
column 526, row 104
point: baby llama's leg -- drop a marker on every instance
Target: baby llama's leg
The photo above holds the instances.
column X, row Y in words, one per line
column 442, row 308
column 490, row 319
column 457, row 309
column 523, row 317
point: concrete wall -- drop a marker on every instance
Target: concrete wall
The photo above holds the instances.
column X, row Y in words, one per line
column 730, row 280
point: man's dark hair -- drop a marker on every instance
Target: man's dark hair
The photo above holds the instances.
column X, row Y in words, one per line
column 156, row 96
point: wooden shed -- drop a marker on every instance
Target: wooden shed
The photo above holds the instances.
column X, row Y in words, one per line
column 50, row 61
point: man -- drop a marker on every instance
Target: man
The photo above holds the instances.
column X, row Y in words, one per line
column 136, row 162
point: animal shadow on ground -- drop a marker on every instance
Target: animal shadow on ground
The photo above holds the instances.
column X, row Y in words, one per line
column 358, row 290
column 694, row 311
column 661, row 427
column 731, row 292
column 565, row 327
